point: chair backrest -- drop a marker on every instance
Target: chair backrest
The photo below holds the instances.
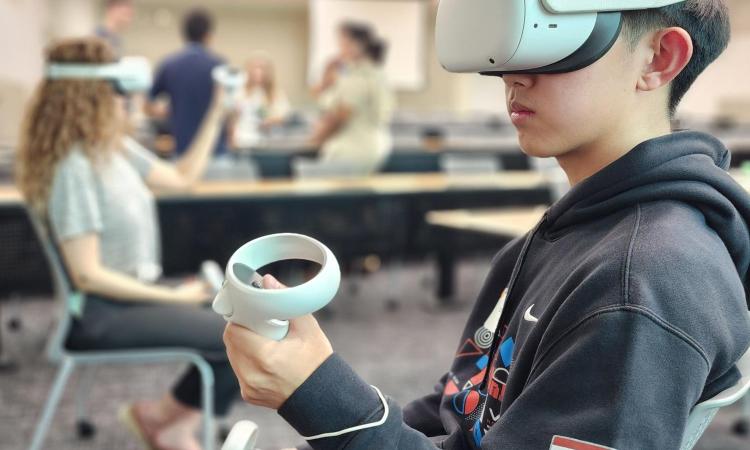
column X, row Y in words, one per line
column 313, row 168
column 62, row 287
column 701, row 416
column 456, row 164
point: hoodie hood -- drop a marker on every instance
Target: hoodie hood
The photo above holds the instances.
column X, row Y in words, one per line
column 686, row 166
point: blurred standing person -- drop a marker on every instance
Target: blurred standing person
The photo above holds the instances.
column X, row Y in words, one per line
column 118, row 15
column 263, row 104
column 185, row 79
column 358, row 105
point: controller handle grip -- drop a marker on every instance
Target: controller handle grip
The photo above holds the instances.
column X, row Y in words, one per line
column 272, row 328
column 243, row 436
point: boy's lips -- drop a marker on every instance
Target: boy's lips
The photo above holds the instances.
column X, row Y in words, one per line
column 520, row 113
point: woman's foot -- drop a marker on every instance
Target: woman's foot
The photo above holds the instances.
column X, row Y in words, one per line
column 178, row 436
column 167, row 425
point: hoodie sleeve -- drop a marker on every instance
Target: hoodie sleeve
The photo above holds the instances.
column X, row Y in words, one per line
column 602, row 382
column 335, row 398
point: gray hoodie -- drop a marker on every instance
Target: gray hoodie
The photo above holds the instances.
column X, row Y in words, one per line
column 623, row 308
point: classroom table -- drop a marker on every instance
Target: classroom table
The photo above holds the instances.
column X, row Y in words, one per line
column 492, row 228
column 382, row 215
column 510, row 222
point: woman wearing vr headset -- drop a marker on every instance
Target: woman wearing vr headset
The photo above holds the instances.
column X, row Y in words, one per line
column 91, row 185
column 357, row 103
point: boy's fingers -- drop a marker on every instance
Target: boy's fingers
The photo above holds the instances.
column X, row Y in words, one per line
column 269, row 282
column 237, row 334
column 304, row 325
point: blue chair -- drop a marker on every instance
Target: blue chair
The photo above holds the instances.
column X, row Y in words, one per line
column 70, row 360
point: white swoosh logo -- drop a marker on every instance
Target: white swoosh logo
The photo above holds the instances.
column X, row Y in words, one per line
column 528, row 317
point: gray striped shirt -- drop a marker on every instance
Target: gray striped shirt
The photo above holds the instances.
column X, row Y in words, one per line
column 109, row 198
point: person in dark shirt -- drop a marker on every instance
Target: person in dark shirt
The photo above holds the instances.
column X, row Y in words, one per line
column 185, row 78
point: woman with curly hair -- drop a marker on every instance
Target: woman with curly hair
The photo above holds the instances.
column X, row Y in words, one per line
column 91, row 185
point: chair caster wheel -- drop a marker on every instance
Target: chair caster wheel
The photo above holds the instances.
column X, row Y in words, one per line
column 392, row 305
column 741, row 428
column 15, row 324
column 85, row 429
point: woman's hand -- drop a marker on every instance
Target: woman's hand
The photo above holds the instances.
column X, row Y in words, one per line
column 193, row 292
column 270, row 371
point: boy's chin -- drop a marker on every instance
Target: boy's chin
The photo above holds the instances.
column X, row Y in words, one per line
column 538, row 147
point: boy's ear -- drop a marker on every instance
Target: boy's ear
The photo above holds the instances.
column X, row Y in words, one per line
column 670, row 51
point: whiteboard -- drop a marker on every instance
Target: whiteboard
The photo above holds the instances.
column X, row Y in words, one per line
column 401, row 23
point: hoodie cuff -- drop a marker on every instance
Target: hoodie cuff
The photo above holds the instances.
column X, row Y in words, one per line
column 333, row 398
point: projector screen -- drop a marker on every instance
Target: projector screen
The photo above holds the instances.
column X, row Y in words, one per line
column 400, row 23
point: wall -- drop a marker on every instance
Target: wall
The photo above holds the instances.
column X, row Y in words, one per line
column 283, row 32
column 281, row 28
column 22, row 30
column 240, row 31
column 725, row 80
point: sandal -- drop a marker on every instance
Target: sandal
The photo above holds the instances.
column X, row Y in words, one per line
column 128, row 418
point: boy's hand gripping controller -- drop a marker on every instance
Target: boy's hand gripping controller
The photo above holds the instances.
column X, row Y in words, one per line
column 243, row 301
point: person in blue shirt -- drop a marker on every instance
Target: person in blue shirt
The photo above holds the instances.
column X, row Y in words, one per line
column 185, row 79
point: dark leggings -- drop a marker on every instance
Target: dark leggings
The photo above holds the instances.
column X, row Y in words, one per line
column 113, row 324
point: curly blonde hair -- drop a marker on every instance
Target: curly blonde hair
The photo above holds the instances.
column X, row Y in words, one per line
column 62, row 115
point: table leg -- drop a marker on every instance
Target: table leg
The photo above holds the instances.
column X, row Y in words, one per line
column 446, row 266
column 6, row 364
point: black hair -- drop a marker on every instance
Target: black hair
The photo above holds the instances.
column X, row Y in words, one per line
column 196, row 25
column 358, row 32
column 374, row 47
column 376, row 50
column 707, row 22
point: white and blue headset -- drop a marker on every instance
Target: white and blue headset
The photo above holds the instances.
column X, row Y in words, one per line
column 129, row 74
column 499, row 37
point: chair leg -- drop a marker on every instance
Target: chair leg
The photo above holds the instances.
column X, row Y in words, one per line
column 742, row 426
column 395, row 285
column 84, row 427
column 58, row 387
column 207, row 391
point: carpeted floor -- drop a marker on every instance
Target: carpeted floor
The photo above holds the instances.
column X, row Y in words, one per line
column 401, row 347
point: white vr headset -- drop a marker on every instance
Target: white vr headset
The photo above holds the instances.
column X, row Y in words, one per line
column 498, row 37
column 129, row 74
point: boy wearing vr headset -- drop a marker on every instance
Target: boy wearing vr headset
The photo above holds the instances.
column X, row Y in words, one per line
column 623, row 308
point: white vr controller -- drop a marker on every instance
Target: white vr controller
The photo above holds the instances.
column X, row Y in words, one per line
column 242, row 299
column 232, row 80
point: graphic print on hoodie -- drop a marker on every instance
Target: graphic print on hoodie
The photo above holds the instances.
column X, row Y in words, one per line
column 624, row 308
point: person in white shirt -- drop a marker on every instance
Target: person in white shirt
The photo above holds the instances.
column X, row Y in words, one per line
column 262, row 106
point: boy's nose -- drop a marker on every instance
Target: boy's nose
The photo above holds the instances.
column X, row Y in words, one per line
column 519, row 80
